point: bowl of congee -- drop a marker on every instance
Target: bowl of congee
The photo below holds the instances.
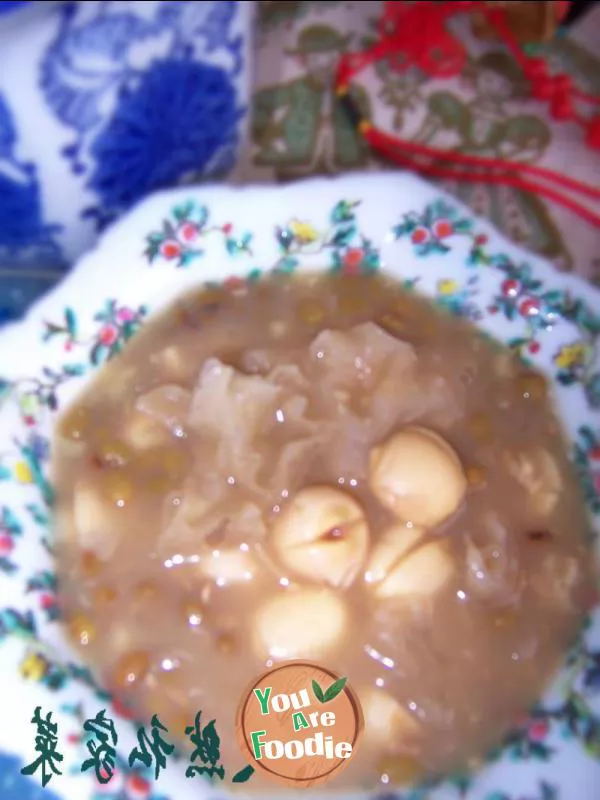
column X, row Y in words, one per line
column 299, row 493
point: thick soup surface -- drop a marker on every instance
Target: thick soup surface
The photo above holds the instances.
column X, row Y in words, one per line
column 331, row 468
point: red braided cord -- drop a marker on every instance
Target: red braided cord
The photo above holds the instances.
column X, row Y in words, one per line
column 389, row 146
column 545, row 87
column 488, row 163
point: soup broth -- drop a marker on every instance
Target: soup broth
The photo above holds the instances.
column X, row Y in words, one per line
column 331, row 468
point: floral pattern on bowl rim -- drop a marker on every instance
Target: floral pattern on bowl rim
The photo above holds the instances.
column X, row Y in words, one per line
column 179, row 239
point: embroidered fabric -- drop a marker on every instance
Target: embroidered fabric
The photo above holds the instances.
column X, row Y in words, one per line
column 417, row 34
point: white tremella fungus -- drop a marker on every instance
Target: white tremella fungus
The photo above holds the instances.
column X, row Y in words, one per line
column 322, row 535
column 407, row 562
column 300, row 623
column 231, row 565
column 417, row 475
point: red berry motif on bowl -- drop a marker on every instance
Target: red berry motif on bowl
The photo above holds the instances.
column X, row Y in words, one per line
column 430, row 229
column 420, row 235
column 137, row 788
column 586, row 460
column 346, row 249
column 117, row 326
column 47, row 601
column 352, row 259
column 108, row 335
column 442, row 228
column 111, row 787
column 121, row 709
column 170, row 249
column 529, row 307
column 6, row 544
column 510, row 287
column 538, row 730
column 188, row 232
column 125, row 315
column 179, row 239
column 234, row 282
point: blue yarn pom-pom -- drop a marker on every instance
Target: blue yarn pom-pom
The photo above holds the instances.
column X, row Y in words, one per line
column 173, row 123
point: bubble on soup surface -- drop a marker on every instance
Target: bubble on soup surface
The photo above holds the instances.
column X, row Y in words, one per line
column 322, row 535
column 300, row 623
column 539, row 474
column 417, row 476
column 405, row 562
column 193, row 610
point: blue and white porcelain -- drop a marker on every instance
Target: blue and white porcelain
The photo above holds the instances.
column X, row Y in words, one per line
column 180, row 239
column 102, row 102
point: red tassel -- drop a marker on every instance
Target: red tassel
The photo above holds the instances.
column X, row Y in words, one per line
column 593, row 133
column 418, row 32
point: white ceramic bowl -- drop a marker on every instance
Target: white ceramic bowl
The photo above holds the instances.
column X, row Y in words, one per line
column 179, row 239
